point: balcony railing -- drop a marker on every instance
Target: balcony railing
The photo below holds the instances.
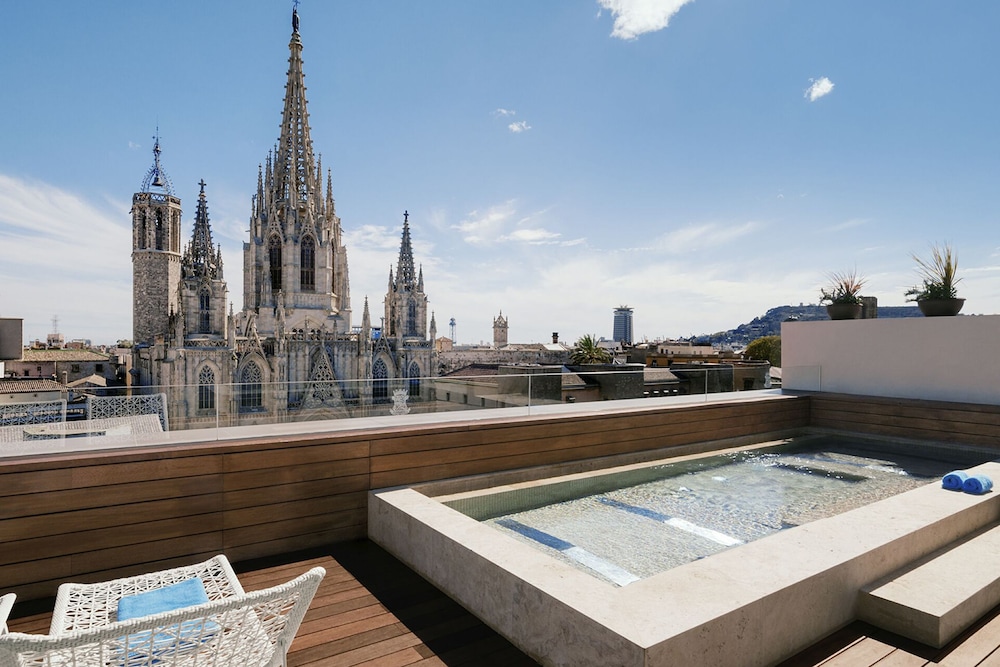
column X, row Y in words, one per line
column 148, row 415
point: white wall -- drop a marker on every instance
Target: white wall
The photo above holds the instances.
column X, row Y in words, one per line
column 936, row 358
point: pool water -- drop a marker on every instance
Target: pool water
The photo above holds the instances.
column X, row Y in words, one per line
column 628, row 526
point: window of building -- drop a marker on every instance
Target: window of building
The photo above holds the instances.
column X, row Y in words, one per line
column 74, row 368
column 251, row 390
column 98, row 368
column 413, row 379
column 205, row 311
column 380, row 380
column 411, row 317
column 308, row 264
column 206, row 388
column 159, row 231
column 274, row 262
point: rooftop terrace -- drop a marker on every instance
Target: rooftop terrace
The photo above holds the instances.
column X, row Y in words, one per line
column 266, row 492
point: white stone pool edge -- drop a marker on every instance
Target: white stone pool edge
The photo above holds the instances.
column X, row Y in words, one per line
column 755, row 604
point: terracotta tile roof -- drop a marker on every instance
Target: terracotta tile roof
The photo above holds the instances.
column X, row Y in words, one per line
column 26, row 385
column 63, row 355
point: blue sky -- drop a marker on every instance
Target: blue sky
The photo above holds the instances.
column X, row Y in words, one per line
column 699, row 161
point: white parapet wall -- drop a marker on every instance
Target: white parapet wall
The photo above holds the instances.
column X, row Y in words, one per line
column 933, row 358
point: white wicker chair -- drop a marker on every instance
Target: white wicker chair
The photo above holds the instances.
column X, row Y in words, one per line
column 6, row 604
column 244, row 630
column 85, row 606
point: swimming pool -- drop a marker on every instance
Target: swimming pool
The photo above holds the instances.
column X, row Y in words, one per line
column 631, row 524
column 750, row 604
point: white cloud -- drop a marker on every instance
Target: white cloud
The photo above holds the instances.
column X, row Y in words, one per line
column 64, row 256
column 637, row 17
column 702, row 235
column 820, row 88
column 519, row 126
column 536, row 236
column 504, row 112
column 132, row 146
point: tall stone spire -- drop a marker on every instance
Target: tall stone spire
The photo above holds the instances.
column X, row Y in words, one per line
column 201, row 258
column 294, row 164
column 405, row 271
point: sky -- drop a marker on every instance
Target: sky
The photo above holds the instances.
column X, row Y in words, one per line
column 700, row 161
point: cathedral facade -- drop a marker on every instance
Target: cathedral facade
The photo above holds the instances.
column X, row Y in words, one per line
column 291, row 353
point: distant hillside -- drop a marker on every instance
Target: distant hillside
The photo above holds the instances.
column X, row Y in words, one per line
column 769, row 324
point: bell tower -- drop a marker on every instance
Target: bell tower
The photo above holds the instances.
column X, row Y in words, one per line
column 156, row 254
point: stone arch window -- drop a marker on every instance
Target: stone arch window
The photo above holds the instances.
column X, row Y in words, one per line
column 274, row 261
column 142, row 231
column 411, row 317
column 206, row 388
column 251, row 387
column 159, row 231
column 380, row 380
column 413, row 379
column 205, row 311
column 307, row 271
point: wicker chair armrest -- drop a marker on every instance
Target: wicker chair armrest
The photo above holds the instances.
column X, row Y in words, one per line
column 6, row 604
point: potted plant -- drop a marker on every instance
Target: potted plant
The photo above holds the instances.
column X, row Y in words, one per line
column 937, row 296
column 843, row 295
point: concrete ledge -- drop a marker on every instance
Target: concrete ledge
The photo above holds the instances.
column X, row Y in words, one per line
column 937, row 598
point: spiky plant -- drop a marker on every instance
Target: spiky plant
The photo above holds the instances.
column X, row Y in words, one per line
column 587, row 351
column 844, row 287
column 938, row 275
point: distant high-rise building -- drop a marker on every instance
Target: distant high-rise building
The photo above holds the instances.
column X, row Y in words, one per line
column 623, row 325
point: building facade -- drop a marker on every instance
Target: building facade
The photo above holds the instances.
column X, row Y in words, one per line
column 291, row 352
column 622, row 331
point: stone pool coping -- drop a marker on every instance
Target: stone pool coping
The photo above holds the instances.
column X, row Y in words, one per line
column 751, row 605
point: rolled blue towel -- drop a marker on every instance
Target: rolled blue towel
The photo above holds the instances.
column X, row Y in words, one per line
column 954, row 480
column 977, row 484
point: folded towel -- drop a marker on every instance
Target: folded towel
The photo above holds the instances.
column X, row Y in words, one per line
column 187, row 593
column 954, row 480
column 977, row 484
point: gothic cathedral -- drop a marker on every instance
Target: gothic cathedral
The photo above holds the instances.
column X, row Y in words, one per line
column 291, row 353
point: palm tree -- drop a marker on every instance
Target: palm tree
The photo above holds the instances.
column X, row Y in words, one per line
column 587, row 351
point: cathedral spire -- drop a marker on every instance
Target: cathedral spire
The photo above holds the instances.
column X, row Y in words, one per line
column 201, row 257
column 405, row 273
column 156, row 177
column 293, row 160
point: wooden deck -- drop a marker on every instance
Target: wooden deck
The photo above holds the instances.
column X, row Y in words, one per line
column 370, row 611
column 863, row 645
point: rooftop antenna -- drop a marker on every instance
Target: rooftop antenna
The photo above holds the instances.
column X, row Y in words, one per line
column 55, row 324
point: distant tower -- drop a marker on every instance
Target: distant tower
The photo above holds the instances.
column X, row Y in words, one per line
column 405, row 301
column 203, row 291
column 156, row 253
column 451, row 325
column 500, row 331
column 623, row 325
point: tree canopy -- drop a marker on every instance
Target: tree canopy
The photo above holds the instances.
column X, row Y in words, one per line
column 766, row 348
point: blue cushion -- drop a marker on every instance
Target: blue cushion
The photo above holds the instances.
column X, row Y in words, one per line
column 187, row 593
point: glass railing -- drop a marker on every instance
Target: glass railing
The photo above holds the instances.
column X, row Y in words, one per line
column 127, row 416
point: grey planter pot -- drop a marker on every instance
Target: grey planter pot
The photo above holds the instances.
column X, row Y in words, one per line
column 844, row 311
column 940, row 307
